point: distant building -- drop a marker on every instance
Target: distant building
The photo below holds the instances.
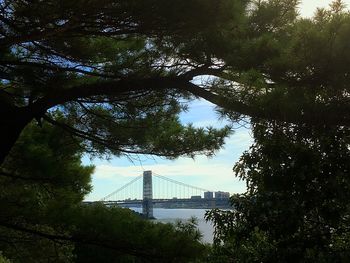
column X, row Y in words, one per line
column 222, row 195
column 208, row 195
column 196, row 197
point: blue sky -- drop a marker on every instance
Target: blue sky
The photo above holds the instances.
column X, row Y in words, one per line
column 213, row 173
column 210, row 173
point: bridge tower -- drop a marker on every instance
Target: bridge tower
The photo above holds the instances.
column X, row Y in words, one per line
column 147, row 204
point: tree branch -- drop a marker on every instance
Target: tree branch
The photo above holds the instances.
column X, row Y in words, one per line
column 333, row 115
column 110, row 88
column 58, row 68
column 110, row 144
column 121, row 246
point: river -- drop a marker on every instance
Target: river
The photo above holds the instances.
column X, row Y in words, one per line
column 171, row 215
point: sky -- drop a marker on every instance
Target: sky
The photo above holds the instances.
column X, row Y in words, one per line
column 209, row 173
column 308, row 7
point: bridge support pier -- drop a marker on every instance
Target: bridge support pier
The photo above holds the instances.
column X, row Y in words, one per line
column 147, row 203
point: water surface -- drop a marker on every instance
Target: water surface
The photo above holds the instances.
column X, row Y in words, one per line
column 171, row 215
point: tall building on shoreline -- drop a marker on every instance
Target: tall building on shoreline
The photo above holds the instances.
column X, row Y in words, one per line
column 208, row 195
column 222, row 195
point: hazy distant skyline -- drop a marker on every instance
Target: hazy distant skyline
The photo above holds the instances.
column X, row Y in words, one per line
column 214, row 173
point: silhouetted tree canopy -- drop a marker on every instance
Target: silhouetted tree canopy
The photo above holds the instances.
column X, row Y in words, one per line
column 113, row 67
column 113, row 76
column 43, row 219
column 296, row 206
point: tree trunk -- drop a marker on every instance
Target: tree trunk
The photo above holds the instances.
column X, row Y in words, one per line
column 12, row 123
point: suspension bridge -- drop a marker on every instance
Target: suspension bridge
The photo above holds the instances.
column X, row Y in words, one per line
column 151, row 190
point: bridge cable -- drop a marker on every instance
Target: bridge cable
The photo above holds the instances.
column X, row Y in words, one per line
column 121, row 188
column 180, row 183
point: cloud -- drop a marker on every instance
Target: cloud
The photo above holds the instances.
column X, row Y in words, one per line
column 201, row 172
column 213, row 122
column 209, row 173
column 186, row 167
